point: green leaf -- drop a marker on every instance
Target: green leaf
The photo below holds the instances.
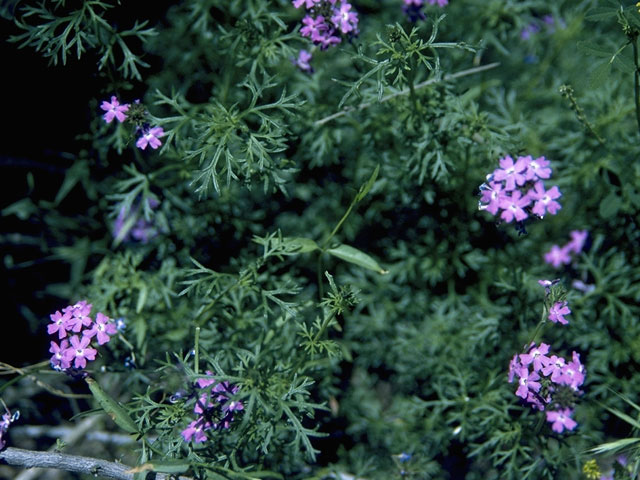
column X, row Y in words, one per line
column 599, row 75
column 613, row 446
column 601, row 13
column 609, row 206
column 168, row 466
column 357, row 257
column 142, row 297
column 624, row 63
column 364, row 189
column 112, row 407
column 301, row 244
column 594, row 49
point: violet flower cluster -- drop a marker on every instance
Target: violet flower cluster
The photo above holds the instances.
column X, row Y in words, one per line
column 545, row 380
column 131, row 224
column 549, row 380
column 413, row 8
column 76, row 330
column 533, row 28
column 148, row 135
column 325, row 22
column 559, row 256
column 5, row 422
column 214, row 407
column 516, row 189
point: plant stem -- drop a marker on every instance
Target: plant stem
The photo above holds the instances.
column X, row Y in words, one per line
column 636, row 75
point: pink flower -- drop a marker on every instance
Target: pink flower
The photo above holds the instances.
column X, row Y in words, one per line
column 150, row 138
column 561, row 420
column 344, row 19
column 554, row 368
column 528, row 381
column 307, row 3
column 537, row 356
column 313, row 27
column 545, row 200
column 417, row 3
column 205, row 382
column 557, row 256
column 537, row 169
column 196, row 430
column 78, row 316
column 79, row 352
column 302, row 62
column 57, row 359
column 513, row 206
column 102, row 328
column 492, row 195
column 59, row 321
column 114, row 110
column 558, row 311
column 578, row 239
column 512, row 173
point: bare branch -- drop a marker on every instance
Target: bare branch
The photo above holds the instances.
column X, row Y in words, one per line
column 18, row 457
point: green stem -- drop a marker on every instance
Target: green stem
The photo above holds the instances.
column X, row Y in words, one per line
column 634, row 44
column 197, row 352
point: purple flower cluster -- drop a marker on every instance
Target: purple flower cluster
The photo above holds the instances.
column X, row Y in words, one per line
column 413, row 8
column 516, row 189
column 76, row 349
column 130, row 223
column 149, row 136
column 548, row 382
column 302, row 61
column 559, row 256
column 533, row 28
column 326, row 20
column 214, row 407
column 5, row 422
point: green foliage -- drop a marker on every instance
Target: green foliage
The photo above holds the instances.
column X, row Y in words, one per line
column 316, row 239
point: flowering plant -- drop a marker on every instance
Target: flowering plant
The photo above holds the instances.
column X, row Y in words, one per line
column 247, row 243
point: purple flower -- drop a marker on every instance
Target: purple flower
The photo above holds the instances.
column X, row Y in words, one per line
column 58, row 358
column 512, row 173
column 528, row 381
column 544, row 200
column 537, row 356
column 114, row 110
column 328, row 39
column 416, row 3
column 344, row 19
column 59, row 321
column 537, row 169
column 513, row 206
column 572, row 375
column 492, row 195
column 151, row 138
column 307, row 3
column 302, row 62
column 79, row 316
column 561, row 420
column 79, row 351
column 103, row 327
column 558, row 311
column 578, row 239
column 205, row 382
column 514, row 367
column 528, row 31
column 554, row 368
column 441, row 3
column 313, row 27
column 557, row 256
column 196, row 430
